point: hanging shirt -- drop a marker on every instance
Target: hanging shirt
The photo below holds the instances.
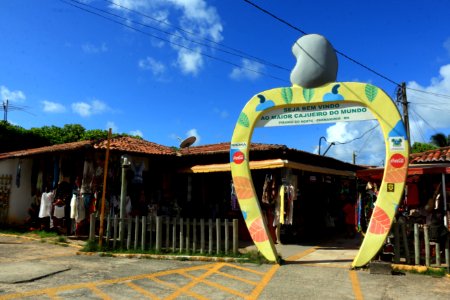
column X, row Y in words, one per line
column 46, row 205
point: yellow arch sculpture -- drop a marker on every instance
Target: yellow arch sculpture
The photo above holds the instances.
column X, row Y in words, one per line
column 351, row 93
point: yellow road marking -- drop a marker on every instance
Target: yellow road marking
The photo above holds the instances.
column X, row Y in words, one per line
column 99, row 292
column 301, row 254
column 355, row 285
column 195, row 281
column 237, row 278
column 244, row 269
column 142, row 291
column 268, row 276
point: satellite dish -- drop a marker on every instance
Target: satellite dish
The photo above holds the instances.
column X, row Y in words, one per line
column 186, row 143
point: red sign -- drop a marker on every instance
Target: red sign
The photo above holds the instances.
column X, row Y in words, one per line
column 238, row 157
column 397, row 160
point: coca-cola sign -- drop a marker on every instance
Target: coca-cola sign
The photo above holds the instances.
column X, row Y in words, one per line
column 238, row 157
column 397, row 160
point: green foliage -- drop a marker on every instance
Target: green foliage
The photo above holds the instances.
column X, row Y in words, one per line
column 422, row 147
column 14, row 137
column 440, row 140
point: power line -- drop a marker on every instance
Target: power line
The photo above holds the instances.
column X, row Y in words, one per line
column 425, row 121
column 337, row 51
column 241, row 55
column 173, row 43
column 358, row 138
column 427, row 92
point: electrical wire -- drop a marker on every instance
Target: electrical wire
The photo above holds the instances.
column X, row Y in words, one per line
column 173, row 43
column 427, row 92
column 244, row 55
column 419, row 127
column 337, row 51
column 425, row 121
column 358, row 138
column 365, row 142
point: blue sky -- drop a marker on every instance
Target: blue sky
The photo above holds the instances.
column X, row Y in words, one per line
column 63, row 65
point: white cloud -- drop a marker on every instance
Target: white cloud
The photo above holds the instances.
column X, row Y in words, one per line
column 195, row 16
column 447, row 45
column 153, row 65
column 193, row 132
column 367, row 143
column 93, row 49
column 189, row 62
column 53, row 107
column 429, row 112
column 113, row 126
column 137, row 133
column 249, row 70
column 13, row 96
column 87, row 109
column 222, row 113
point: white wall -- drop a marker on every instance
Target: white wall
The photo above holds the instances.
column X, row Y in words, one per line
column 20, row 197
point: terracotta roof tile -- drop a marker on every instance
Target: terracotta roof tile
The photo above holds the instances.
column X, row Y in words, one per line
column 125, row 144
column 225, row 147
column 435, row 155
column 129, row 144
column 47, row 149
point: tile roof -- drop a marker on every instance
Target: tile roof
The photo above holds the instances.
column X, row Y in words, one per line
column 48, row 149
column 125, row 144
column 129, row 144
column 225, row 147
column 431, row 156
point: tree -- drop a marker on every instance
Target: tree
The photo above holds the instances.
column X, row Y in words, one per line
column 422, row 147
column 440, row 140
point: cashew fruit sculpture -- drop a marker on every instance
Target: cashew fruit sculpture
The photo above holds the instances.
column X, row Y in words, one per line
column 293, row 99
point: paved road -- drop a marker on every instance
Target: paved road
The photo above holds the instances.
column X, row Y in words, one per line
column 30, row 269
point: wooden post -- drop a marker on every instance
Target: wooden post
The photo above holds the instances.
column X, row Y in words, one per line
column 218, row 235
column 405, row 243
column 116, row 221
column 174, row 235
column 158, row 233
column 181, row 235
column 144, row 232
column 202, row 236
column 105, row 176
column 235, row 236
column 416, row 245
column 188, row 234
column 92, row 228
column 227, row 241
column 210, row 236
column 396, row 243
column 194, row 236
column 136, row 232
column 427, row 245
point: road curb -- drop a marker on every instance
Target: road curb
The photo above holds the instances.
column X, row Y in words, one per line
column 164, row 257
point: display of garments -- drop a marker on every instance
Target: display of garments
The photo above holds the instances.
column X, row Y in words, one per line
column 138, row 169
column 59, row 212
column 412, row 198
column 290, row 195
column 46, row 205
column 88, row 177
column 73, row 206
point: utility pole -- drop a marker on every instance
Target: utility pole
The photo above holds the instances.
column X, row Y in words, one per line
column 5, row 110
column 401, row 97
column 354, row 157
